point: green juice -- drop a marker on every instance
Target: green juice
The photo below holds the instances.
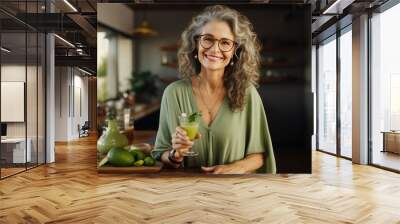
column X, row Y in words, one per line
column 191, row 129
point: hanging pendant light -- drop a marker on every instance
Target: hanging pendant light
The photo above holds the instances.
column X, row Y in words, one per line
column 144, row 29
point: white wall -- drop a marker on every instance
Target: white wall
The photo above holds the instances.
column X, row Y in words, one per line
column 17, row 73
column 70, row 83
column 61, row 103
column 79, row 117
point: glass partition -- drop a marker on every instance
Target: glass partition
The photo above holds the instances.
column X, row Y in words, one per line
column 22, row 90
column 14, row 153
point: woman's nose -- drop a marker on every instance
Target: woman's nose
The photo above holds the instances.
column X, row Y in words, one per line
column 215, row 47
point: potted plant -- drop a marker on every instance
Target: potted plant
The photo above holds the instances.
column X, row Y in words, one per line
column 146, row 86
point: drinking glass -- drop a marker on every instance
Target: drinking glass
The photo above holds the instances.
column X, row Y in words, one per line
column 191, row 128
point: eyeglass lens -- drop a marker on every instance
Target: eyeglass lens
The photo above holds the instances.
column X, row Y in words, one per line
column 223, row 44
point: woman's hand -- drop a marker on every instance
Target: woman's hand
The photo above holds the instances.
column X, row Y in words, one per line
column 181, row 142
column 251, row 163
column 225, row 169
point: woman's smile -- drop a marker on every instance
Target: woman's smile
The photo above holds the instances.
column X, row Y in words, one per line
column 213, row 58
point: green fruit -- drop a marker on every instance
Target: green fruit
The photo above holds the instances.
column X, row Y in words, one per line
column 111, row 138
column 103, row 161
column 149, row 161
column 120, row 157
column 133, row 153
column 139, row 163
column 139, row 155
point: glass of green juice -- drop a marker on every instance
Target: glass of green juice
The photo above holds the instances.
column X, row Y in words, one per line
column 191, row 125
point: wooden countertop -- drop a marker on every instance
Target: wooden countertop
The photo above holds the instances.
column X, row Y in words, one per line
column 142, row 110
column 145, row 136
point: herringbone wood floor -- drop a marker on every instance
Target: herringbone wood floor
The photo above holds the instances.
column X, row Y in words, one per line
column 71, row 191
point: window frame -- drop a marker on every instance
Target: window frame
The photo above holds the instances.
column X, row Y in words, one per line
column 334, row 37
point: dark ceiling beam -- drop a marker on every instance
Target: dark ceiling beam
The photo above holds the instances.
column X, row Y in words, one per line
column 77, row 61
column 49, row 22
column 91, row 5
column 84, row 24
column 11, row 25
column 86, row 51
column 16, row 18
column 329, row 16
column 320, row 23
column 332, row 29
column 55, row 22
column 85, row 61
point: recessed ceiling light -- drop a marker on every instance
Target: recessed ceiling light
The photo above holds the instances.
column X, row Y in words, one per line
column 64, row 40
column 84, row 71
column 338, row 6
column 70, row 5
column 5, row 50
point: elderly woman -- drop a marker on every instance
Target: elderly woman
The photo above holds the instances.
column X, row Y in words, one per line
column 218, row 60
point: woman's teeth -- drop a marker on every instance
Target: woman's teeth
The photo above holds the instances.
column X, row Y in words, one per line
column 213, row 58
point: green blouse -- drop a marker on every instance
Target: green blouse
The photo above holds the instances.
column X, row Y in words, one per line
column 230, row 137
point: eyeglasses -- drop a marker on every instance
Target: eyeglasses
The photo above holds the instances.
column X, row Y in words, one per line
column 224, row 44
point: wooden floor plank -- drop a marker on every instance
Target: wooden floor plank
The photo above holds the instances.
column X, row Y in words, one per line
column 71, row 191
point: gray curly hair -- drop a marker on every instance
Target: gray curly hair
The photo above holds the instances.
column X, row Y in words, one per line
column 246, row 58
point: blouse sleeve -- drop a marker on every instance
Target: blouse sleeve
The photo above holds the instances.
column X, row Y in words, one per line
column 163, row 139
column 258, row 136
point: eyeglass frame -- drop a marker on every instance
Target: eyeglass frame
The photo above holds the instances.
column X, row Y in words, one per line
column 197, row 37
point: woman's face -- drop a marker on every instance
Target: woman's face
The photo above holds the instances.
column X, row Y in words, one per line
column 213, row 58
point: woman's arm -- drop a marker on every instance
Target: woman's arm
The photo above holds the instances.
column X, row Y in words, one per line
column 247, row 165
column 251, row 162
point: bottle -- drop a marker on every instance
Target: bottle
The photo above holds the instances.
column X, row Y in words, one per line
column 111, row 138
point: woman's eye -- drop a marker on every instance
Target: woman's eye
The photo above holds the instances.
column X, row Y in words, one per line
column 226, row 43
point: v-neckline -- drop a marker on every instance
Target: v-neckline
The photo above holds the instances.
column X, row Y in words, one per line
column 194, row 105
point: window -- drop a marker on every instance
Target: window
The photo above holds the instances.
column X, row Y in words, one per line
column 385, row 87
column 327, row 96
column 114, row 64
column 346, row 93
column 102, row 52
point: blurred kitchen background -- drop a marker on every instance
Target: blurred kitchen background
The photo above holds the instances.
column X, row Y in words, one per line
column 136, row 60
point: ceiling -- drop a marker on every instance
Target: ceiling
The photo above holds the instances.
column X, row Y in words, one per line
column 75, row 22
column 321, row 21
